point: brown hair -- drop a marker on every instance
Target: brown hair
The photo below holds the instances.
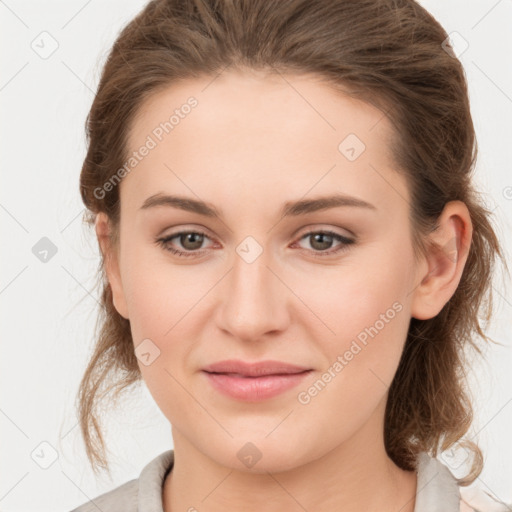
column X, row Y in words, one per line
column 391, row 53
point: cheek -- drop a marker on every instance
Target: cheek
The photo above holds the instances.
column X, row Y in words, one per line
column 370, row 319
column 369, row 288
column 366, row 306
column 160, row 293
column 164, row 303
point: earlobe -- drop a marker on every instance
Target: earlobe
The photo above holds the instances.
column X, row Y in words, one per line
column 111, row 263
column 443, row 265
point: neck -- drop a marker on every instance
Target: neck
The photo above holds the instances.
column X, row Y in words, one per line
column 356, row 475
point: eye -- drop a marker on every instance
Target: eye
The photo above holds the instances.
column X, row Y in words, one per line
column 189, row 240
column 322, row 240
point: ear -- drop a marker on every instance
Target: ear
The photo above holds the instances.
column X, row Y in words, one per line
column 440, row 271
column 111, row 262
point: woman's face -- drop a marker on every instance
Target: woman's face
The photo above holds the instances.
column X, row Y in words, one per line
column 261, row 282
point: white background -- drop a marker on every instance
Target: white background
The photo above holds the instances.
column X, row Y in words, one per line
column 48, row 309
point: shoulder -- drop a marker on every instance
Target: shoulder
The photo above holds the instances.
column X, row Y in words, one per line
column 478, row 500
column 120, row 499
column 143, row 494
column 438, row 489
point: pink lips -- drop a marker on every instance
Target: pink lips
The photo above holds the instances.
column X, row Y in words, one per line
column 254, row 381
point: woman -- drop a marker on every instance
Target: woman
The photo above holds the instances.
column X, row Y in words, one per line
column 293, row 254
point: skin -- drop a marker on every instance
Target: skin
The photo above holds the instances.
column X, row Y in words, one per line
column 253, row 142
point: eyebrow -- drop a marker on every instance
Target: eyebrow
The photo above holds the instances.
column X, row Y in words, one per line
column 290, row 208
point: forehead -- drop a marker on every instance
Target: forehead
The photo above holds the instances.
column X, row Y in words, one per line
column 264, row 136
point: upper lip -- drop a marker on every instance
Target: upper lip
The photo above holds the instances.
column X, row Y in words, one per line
column 256, row 369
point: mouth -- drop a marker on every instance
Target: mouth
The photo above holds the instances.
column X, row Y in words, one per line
column 257, row 383
column 240, row 375
column 257, row 369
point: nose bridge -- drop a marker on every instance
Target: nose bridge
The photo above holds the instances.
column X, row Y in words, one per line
column 253, row 302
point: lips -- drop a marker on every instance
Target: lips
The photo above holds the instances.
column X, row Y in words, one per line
column 254, row 382
column 257, row 369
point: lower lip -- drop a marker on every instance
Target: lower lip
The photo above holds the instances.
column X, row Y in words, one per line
column 254, row 389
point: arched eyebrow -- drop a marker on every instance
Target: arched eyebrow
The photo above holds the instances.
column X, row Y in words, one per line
column 303, row 206
column 289, row 209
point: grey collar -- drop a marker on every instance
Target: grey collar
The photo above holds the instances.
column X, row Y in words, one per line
column 437, row 489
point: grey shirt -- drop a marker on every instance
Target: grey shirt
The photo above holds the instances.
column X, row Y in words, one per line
column 437, row 489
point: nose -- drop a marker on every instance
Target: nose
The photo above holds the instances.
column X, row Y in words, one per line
column 253, row 300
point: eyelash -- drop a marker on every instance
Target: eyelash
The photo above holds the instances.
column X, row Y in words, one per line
column 163, row 242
